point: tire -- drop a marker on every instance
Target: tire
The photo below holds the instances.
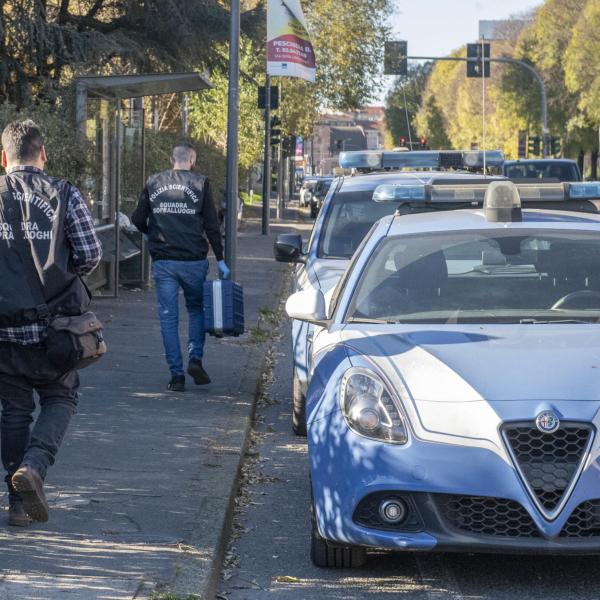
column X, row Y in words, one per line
column 333, row 556
column 298, row 410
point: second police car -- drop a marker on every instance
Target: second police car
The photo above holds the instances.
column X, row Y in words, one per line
column 347, row 215
column 454, row 401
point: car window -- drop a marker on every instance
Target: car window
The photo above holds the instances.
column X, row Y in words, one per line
column 496, row 276
column 348, row 220
column 546, row 170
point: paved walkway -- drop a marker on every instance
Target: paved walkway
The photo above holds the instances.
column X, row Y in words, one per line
column 142, row 489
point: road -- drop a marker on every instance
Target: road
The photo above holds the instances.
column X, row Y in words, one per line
column 269, row 554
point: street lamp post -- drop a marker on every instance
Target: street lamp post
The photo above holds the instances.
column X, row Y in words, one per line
column 232, row 141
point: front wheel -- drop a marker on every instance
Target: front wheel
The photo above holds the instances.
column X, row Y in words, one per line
column 298, row 409
column 333, row 556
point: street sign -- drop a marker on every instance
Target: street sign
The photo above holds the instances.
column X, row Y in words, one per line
column 274, row 97
column 476, row 66
column 394, row 58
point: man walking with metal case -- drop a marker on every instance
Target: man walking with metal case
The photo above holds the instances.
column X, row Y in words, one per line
column 177, row 212
column 48, row 218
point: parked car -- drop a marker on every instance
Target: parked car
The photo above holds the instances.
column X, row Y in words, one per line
column 307, row 185
column 317, row 195
column 550, row 169
column 454, row 400
column 347, row 215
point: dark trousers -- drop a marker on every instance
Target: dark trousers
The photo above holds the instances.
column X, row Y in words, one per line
column 23, row 370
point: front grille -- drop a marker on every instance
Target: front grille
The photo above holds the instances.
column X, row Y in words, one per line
column 486, row 516
column 584, row 521
column 548, row 461
column 367, row 513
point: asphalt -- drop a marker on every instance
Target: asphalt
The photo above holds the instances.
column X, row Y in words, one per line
column 141, row 495
column 268, row 554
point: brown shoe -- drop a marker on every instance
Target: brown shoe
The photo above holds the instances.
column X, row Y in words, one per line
column 30, row 487
column 17, row 517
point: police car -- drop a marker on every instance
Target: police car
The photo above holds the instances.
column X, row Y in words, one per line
column 347, row 214
column 455, row 397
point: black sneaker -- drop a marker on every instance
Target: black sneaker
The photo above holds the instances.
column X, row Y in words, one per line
column 30, row 486
column 196, row 370
column 177, row 383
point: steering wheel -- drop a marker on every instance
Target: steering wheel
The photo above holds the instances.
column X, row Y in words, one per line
column 575, row 296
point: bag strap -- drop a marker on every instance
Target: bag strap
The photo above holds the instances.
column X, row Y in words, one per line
column 13, row 215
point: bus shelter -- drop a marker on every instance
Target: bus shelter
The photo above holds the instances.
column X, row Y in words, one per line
column 110, row 115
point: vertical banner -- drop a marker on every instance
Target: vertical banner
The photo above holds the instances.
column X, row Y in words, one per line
column 289, row 49
column 299, row 154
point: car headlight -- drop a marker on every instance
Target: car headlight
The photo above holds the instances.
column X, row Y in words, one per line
column 369, row 409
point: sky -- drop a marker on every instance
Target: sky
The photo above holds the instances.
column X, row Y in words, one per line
column 436, row 27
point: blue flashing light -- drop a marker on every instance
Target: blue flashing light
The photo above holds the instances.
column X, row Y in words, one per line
column 584, row 191
column 398, row 193
column 361, row 160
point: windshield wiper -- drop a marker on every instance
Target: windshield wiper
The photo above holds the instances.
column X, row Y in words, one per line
column 549, row 321
column 370, row 321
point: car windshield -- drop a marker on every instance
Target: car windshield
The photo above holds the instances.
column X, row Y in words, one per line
column 487, row 276
column 542, row 170
column 348, row 220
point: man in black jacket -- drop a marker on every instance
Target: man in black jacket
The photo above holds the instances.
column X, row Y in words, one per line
column 59, row 231
column 177, row 212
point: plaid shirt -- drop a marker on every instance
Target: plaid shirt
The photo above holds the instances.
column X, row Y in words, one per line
column 86, row 252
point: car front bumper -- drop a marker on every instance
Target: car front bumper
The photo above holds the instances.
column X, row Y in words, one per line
column 346, row 469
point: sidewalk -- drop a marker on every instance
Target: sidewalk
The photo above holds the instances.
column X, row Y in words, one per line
column 142, row 490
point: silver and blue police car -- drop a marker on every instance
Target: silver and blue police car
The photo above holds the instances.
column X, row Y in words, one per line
column 347, row 214
column 454, row 400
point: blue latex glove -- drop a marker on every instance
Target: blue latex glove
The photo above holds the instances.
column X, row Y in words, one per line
column 224, row 270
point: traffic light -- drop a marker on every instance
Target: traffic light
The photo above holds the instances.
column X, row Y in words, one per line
column 522, row 149
column 275, row 131
column 534, row 146
column 555, row 146
column 423, row 143
column 476, row 65
column 402, row 142
column 395, row 58
column 262, row 97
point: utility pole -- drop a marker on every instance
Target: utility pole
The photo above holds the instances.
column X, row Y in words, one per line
column 231, row 212
column 280, row 180
column 266, row 201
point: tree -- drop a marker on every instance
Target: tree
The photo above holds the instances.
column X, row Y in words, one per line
column 44, row 43
column 348, row 43
column 397, row 111
column 582, row 73
column 208, row 111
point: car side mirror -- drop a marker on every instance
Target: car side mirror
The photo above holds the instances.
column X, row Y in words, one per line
column 308, row 305
column 288, row 248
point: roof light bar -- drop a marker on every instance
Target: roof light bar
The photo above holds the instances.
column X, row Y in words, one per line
column 475, row 192
column 370, row 160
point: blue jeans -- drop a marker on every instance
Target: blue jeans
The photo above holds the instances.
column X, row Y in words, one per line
column 169, row 277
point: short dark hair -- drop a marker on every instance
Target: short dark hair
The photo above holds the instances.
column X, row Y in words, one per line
column 182, row 151
column 22, row 140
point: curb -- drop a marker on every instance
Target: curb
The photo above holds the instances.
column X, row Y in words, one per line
column 199, row 574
